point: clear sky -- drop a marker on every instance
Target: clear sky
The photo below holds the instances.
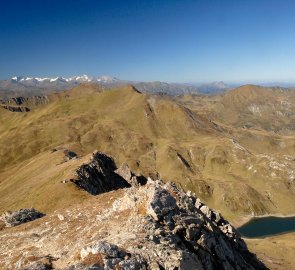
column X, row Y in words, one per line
column 167, row 40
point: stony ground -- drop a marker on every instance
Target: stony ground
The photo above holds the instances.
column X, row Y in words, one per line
column 156, row 226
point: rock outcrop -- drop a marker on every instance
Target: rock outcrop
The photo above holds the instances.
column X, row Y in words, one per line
column 26, row 101
column 12, row 219
column 102, row 175
column 23, row 104
column 183, row 233
column 172, row 230
column 156, row 226
column 104, row 255
column 16, row 108
column 98, row 176
column 132, row 178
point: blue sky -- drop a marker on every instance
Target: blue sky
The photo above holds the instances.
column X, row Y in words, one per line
column 172, row 40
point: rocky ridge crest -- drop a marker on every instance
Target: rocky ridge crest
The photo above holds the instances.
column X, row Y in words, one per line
column 153, row 226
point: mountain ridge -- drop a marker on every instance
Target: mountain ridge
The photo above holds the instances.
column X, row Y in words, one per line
column 239, row 171
column 175, row 227
column 24, row 86
column 193, row 145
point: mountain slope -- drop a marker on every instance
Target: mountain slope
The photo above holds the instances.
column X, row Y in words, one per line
column 156, row 136
column 116, row 229
column 251, row 106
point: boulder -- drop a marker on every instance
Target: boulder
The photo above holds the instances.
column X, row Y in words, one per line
column 69, row 155
column 109, row 257
column 12, row 219
column 99, row 176
column 133, row 179
column 161, row 202
column 109, row 250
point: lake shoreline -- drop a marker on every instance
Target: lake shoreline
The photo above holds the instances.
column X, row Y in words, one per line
column 241, row 221
column 248, row 219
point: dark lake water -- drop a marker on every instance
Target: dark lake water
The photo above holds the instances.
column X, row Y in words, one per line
column 267, row 226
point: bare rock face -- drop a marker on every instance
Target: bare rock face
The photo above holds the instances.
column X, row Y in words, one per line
column 161, row 203
column 133, row 179
column 16, row 108
column 99, row 175
column 23, row 104
column 12, row 219
column 153, row 227
column 27, row 101
column 182, row 236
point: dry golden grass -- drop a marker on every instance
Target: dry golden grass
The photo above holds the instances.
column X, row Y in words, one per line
column 151, row 134
column 276, row 252
column 268, row 109
column 198, row 142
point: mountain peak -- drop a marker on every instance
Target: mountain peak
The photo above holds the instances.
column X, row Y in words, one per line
column 83, row 78
column 214, row 87
column 106, row 78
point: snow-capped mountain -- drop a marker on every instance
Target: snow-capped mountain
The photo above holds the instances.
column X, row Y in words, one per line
column 107, row 79
column 83, row 78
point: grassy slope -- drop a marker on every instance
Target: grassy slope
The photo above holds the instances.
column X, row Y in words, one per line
column 271, row 109
column 36, row 182
column 276, row 252
column 152, row 135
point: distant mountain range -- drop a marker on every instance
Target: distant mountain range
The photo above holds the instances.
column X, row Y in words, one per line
column 278, row 84
column 214, row 87
column 21, row 85
column 75, row 79
column 28, row 86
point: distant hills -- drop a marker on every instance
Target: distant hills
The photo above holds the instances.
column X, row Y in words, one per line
column 223, row 147
column 251, row 106
column 236, row 150
column 31, row 86
column 28, row 86
column 214, row 87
